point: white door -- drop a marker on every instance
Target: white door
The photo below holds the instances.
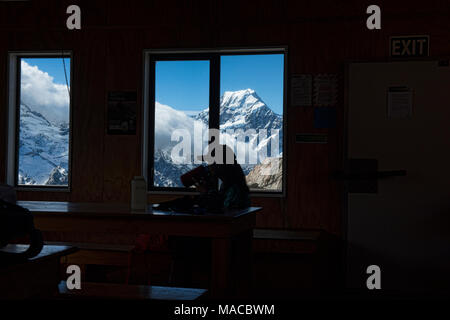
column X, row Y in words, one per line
column 403, row 225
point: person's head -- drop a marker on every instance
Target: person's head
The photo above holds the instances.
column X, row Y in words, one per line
column 223, row 165
column 219, row 154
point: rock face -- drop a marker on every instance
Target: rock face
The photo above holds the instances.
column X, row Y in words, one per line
column 58, row 177
column 266, row 175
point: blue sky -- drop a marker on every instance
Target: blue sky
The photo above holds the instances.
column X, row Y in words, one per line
column 53, row 66
column 262, row 73
column 43, row 87
column 184, row 85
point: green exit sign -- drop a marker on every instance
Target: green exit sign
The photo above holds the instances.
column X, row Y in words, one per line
column 410, row 46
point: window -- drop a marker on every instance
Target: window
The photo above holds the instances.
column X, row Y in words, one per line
column 240, row 93
column 251, row 116
column 39, row 120
column 181, row 93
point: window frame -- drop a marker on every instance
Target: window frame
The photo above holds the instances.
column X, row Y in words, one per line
column 13, row 115
column 214, row 56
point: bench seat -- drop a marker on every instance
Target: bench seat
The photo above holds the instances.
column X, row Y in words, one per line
column 90, row 290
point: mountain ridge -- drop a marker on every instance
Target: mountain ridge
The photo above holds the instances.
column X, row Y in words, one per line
column 43, row 145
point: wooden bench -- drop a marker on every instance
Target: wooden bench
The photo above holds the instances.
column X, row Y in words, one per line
column 37, row 277
column 291, row 261
column 96, row 253
column 91, row 290
column 286, row 241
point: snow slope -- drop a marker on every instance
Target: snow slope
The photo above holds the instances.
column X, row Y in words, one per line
column 43, row 150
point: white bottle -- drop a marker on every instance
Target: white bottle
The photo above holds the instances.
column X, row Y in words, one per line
column 138, row 193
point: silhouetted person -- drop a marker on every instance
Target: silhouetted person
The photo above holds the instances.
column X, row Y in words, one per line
column 192, row 255
column 233, row 191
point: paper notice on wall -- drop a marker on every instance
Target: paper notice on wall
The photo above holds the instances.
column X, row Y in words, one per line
column 400, row 103
column 301, row 90
column 325, row 90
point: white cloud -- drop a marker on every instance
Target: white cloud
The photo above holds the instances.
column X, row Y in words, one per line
column 169, row 120
column 41, row 94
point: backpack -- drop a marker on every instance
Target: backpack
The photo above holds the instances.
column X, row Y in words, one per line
column 17, row 222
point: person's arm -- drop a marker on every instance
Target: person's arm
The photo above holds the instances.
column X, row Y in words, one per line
column 234, row 197
column 201, row 185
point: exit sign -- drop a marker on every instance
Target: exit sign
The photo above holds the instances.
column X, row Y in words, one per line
column 410, row 46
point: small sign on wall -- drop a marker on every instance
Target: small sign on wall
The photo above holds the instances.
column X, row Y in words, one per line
column 317, row 138
column 122, row 112
column 301, row 90
column 409, row 46
column 325, row 90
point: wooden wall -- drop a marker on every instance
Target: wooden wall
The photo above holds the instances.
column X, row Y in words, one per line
column 320, row 34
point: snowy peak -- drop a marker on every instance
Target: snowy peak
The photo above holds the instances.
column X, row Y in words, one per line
column 241, row 99
column 244, row 109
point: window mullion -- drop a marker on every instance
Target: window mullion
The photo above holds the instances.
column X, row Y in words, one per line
column 214, row 92
column 151, row 121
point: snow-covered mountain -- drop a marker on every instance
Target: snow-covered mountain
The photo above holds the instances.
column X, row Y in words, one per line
column 43, row 149
column 44, row 154
column 167, row 173
column 242, row 109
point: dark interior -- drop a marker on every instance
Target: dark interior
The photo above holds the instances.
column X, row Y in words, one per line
column 307, row 240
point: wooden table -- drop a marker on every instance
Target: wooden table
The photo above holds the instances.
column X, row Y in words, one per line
column 111, row 218
column 37, row 277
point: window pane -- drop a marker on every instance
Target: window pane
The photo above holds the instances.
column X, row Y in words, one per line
column 44, row 116
column 251, row 116
column 181, row 118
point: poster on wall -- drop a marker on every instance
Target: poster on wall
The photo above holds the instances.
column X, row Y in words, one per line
column 400, row 103
column 122, row 112
column 301, row 90
column 325, row 118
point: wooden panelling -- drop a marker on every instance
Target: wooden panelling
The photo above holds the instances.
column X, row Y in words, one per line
column 321, row 36
column 124, row 73
column 3, row 113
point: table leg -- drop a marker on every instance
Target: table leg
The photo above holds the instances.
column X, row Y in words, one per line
column 242, row 258
column 220, row 267
column 232, row 262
